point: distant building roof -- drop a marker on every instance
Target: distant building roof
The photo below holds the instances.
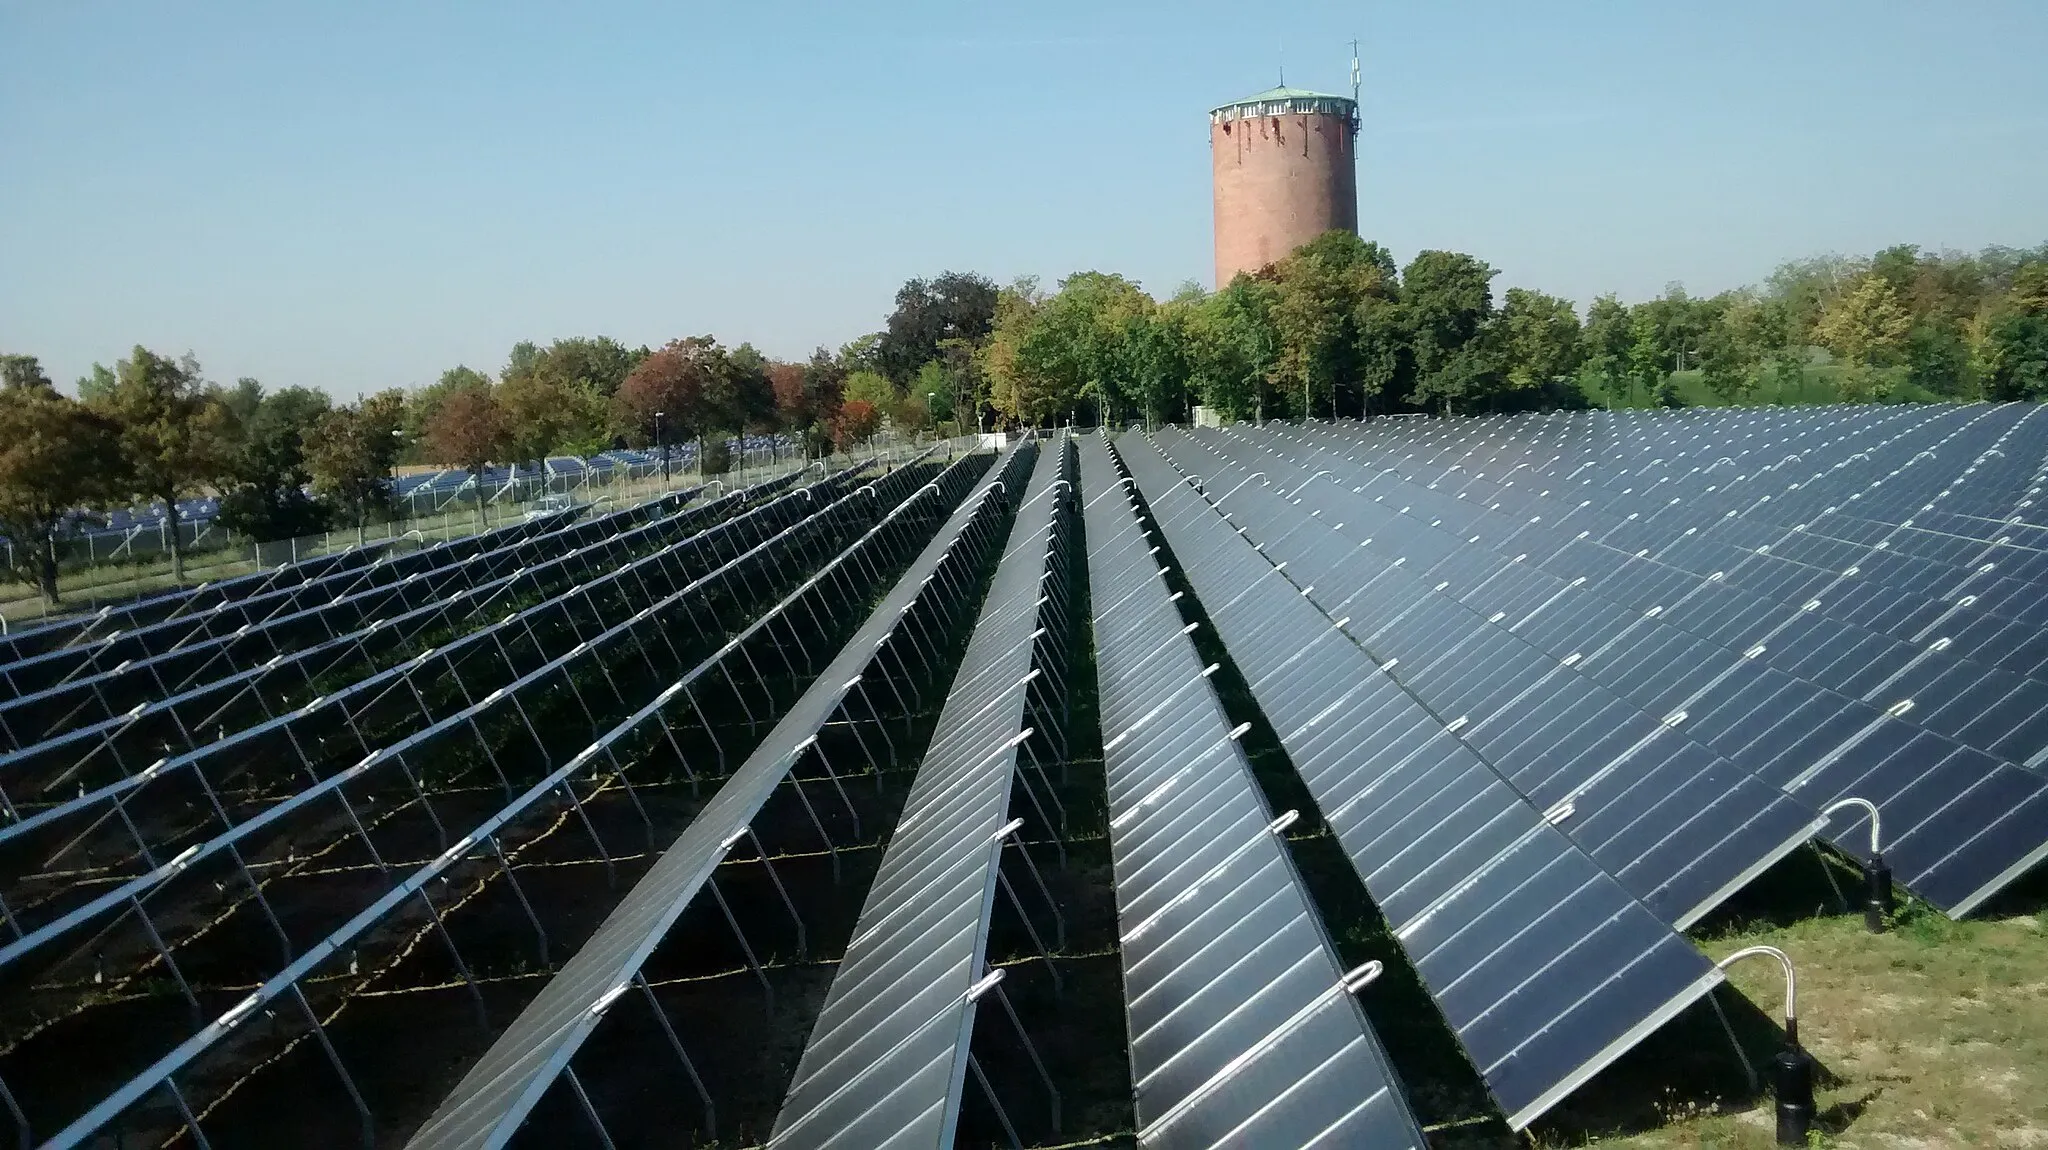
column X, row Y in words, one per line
column 1284, row 100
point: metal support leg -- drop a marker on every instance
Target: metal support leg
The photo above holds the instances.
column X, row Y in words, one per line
column 334, row 1059
column 1030, row 929
column 832, row 848
column 185, row 1115
column 589, row 1111
column 632, row 795
column 1023, row 780
column 284, row 941
column 23, row 1137
column 826, row 763
column 803, row 948
column 753, row 964
column 1037, row 1063
column 1820, row 856
column 419, row 792
column 170, row 963
column 611, row 871
column 1742, row 1056
column 475, row 992
column 505, row 866
column 676, row 1043
column 995, row 1103
column 881, row 724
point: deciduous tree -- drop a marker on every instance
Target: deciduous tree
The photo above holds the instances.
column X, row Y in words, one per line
column 1446, row 298
column 1235, row 347
column 856, row 423
column 174, row 435
column 268, row 473
column 350, row 452
column 469, row 430
column 679, row 382
column 1541, row 339
column 953, row 305
column 56, row 455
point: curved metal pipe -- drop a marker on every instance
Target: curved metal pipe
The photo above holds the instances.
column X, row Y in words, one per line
column 1247, row 479
column 1791, row 983
column 1876, row 849
column 1306, row 482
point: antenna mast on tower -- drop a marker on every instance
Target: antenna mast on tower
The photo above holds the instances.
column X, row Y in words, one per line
column 1356, row 116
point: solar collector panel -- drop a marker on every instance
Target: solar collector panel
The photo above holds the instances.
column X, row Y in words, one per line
column 1544, row 966
column 1648, row 657
column 885, row 1064
column 1243, row 1031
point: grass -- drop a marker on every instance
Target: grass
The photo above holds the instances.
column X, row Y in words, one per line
column 1935, row 1034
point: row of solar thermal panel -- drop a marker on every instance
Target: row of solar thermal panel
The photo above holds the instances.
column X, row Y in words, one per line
column 108, row 648
column 41, row 637
column 96, row 681
column 654, row 635
column 1244, row 1029
column 498, row 1091
column 89, row 751
column 105, row 756
column 1544, row 965
column 463, row 687
column 1808, row 704
column 885, row 1063
column 1679, row 826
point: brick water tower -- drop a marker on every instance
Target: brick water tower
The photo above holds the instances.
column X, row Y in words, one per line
column 1286, row 171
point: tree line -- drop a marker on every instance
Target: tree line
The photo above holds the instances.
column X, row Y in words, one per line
column 1335, row 328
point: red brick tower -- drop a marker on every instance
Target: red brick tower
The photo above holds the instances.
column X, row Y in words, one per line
column 1286, row 172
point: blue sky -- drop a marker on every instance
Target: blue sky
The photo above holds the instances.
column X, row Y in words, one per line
column 357, row 195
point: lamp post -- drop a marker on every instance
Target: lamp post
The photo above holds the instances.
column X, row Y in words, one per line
column 929, row 396
column 663, row 444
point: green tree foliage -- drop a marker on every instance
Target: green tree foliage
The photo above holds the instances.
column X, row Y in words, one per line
column 1020, row 389
column 175, row 434
column 1938, row 360
column 1446, row 299
column 1729, row 348
column 1077, row 347
column 1607, row 340
column 950, row 306
column 1234, row 347
column 1867, row 329
column 2015, row 338
column 936, row 388
column 350, row 452
column 56, row 455
column 872, row 388
column 1864, row 325
column 747, row 399
column 1541, row 341
column 96, row 384
column 1336, row 320
column 267, row 473
column 558, row 398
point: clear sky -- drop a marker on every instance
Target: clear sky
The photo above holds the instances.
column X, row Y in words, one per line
column 359, row 194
